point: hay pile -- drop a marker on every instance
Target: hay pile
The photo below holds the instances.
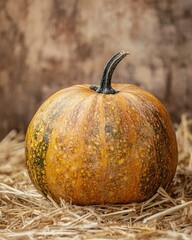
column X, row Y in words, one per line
column 25, row 214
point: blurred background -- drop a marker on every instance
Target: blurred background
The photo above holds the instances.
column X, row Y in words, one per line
column 51, row 44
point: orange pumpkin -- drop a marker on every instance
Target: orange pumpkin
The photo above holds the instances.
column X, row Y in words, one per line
column 97, row 145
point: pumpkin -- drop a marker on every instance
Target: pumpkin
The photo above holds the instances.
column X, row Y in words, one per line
column 101, row 144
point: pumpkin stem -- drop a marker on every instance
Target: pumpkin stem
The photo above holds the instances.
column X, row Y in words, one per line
column 105, row 86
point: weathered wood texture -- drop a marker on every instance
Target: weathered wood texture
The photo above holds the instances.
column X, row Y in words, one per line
column 50, row 44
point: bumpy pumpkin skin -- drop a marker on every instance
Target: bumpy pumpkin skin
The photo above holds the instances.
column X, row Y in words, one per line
column 94, row 148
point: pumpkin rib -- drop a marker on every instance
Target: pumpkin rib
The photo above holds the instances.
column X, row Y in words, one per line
column 51, row 109
column 119, row 110
column 142, row 111
column 148, row 108
column 126, row 103
column 158, row 172
column 104, row 150
column 165, row 122
column 116, row 189
column 79, row 180
column 57, row 139
column 110, row 111
column 91, row 166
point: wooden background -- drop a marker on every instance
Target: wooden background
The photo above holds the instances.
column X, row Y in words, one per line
column 51, row 44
